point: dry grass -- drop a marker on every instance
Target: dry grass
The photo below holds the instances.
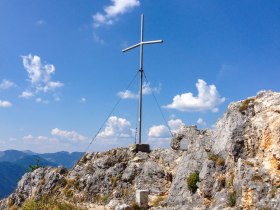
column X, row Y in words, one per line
column 156, row 202
column 48, row 203
column 244, row 105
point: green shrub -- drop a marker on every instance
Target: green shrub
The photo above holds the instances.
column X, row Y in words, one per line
column 36, row 166
column 192, row 179
column 232, row 199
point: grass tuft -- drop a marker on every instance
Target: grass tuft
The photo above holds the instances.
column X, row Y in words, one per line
column 192, row 179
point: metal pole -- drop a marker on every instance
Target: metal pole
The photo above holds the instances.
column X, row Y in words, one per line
column 141, row 45
column 141, row 79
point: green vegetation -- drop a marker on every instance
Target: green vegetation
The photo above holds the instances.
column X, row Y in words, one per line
column 48, row 203
column 192, row 179
column 245, row 104
column 232, row 199
column 36, row 166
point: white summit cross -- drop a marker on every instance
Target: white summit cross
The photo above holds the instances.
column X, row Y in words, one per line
column 141, row 45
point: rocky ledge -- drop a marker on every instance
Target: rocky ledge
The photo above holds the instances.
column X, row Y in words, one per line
column 236, row 165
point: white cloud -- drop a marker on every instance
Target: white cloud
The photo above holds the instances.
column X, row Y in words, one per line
column 6, row 84
column 40, row 76
column 146, row 90
column 127, row 94
column 116, row 128
column 162, row 131
column 72, row 135
column 208, row 99
column 5, row 104
column 26, row 94
column 200, row 121
column 157, row 131
column 174, row 124
column 111, row 12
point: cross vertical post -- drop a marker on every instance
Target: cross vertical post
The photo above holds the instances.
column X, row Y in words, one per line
column 141, row 45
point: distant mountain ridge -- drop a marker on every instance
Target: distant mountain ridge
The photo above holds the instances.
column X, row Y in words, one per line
column 14, row 163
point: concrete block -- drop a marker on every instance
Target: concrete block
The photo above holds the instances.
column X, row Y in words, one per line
column 142, row 197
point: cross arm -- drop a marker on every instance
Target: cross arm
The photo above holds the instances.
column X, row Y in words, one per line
column 132, row 47
column 153, row 42
column 142, row 43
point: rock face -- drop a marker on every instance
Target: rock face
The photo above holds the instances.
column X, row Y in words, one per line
column 238, row 162
column 234, row 166
column 110, row 178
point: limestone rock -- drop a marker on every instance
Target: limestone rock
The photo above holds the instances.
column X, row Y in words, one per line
column 238, row 164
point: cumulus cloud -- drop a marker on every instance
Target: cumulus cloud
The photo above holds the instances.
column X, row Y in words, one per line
column 208, row 99
column 111, row 13
column 158, row 131
column 146, row 90
column 117, row 128
column 5, row 104
column 26, row 94
column 72, row 135
column 200, row 121
column 162, row 131
column 40, row 76
column 6, row 84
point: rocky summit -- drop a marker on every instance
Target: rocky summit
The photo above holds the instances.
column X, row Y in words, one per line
column 236, row 165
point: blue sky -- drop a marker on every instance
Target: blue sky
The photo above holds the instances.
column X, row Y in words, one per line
column 62, row 69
